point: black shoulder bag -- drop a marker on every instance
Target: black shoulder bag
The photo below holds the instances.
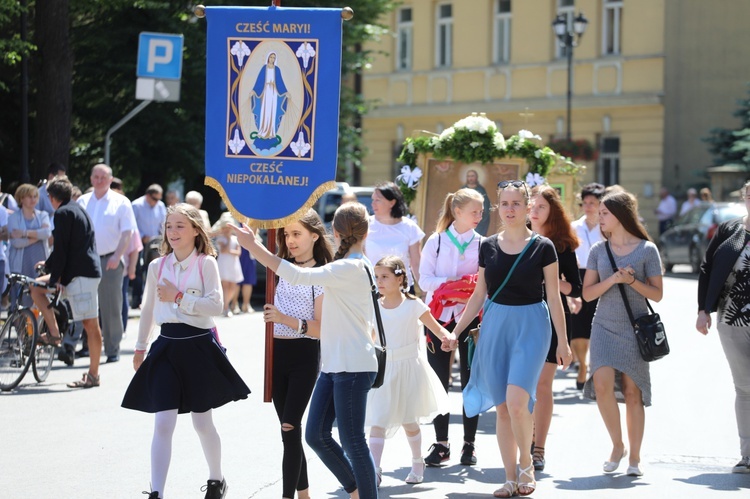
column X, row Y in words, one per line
column 380, row 351
column 649, row 330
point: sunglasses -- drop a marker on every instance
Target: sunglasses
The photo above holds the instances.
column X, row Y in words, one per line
column 513, row 183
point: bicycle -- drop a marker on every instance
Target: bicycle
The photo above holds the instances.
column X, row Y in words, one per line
column 18, row 338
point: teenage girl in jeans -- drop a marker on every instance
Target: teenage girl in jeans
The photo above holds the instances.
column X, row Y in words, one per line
column 296, row 312
column 347, row 350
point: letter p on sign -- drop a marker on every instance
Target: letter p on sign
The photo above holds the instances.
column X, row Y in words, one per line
column 159, row 56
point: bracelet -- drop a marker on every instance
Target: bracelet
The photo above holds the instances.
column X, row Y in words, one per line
column 632, row 282
column 299, row 326
column 304, row 328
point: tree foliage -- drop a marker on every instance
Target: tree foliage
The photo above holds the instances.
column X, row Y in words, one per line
column 732, row 146
column 166, row 140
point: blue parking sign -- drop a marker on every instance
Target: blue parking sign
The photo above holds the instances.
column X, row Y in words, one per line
column 159, row 56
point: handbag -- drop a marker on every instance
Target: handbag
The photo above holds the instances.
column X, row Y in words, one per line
column 380, row 351
column 473, row 338
column 649, row 330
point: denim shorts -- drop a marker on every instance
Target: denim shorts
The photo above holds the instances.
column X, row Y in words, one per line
column 82, row 294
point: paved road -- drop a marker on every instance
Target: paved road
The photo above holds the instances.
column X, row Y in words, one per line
column 58, row 443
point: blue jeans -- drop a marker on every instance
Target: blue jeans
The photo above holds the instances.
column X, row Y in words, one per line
column 343, row 397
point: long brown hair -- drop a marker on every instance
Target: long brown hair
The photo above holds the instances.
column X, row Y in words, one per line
column 202, row 242
column 350, row 221
column 322, row 250
column 557, row 228
column 624, row 206
column 454, row 200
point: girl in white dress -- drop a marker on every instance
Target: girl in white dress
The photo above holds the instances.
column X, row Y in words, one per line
column 230, row 269
column 411, row 393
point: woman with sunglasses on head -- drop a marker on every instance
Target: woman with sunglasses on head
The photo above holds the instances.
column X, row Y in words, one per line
column 548, row 218
column 619, row 372
column 515, row 265
column 450, row 254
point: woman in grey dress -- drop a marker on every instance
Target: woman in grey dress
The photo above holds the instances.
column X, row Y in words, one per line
column 619, row 372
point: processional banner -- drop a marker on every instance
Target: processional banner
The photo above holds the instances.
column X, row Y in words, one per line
column 273, row 79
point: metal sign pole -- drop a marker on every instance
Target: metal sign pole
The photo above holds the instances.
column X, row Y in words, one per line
column 118, row 125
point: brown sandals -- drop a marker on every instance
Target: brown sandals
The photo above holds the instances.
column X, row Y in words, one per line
column 87, row 381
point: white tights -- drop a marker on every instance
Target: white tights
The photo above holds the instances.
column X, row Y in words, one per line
column 161, row 446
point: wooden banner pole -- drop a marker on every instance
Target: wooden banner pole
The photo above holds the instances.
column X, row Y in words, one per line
column 270, row 292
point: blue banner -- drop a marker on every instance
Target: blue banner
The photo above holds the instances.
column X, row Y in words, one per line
column 273, row 79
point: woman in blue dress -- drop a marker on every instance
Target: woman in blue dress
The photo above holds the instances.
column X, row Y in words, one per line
column 516, row 332
column 269, row 102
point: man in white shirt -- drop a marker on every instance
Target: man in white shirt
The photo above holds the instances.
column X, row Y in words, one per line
column 114, row 222
column 150, row 213
column 666, row 210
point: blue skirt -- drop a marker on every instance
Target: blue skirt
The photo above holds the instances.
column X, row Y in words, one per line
column 512, row 348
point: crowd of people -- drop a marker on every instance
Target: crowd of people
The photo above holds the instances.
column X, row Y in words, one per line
column 541, row 292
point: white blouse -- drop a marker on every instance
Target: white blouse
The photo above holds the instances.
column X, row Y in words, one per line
column 348, row 313
column 434, row 269
column 384, row 240
column 587, row 238
column 297, row 302
column 203, row 297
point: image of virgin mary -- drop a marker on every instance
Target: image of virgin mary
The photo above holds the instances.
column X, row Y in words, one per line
column 269, row 101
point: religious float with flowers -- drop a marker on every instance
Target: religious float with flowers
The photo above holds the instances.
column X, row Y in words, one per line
column 436, row 164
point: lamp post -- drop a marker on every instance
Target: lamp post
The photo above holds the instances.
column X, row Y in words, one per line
column 569, row 39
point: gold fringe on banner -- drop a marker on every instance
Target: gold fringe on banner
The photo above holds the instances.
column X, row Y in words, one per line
column 271, row 223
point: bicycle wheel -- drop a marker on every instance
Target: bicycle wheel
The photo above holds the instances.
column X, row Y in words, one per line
column 41, row 364
column 17, row 340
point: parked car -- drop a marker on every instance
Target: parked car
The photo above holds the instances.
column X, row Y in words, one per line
column 330, row 200
column 686, row 241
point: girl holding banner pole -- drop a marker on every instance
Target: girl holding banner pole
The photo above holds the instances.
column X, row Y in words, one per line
column 348, row 362
column 295, row 314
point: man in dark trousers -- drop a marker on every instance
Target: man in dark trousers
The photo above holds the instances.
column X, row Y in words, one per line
column 73, row 266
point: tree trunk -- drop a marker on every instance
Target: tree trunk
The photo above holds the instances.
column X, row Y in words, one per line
column 54, row 97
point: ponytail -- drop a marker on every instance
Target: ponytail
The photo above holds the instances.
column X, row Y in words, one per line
column 446, row 214
column 350, row 222
column 454, row 200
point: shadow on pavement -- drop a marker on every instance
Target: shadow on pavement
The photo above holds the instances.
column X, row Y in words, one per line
column 719, row 481
column 600, row 482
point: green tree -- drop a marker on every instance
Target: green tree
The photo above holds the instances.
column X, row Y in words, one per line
column 732, row 146
column 165, row 141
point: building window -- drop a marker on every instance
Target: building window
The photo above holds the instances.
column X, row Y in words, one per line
column 609, row 161
column 404, row 39
column 444, row 38
column 565, row 8
column 612, row 27
column 502, row 31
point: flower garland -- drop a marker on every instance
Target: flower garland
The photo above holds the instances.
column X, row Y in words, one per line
column 473, row 139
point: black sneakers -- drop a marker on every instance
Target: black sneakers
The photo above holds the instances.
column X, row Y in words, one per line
column 439, row 453
column 215, row 489
column 468, row 456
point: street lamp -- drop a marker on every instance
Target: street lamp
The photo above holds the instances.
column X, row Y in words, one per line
column 569, row 39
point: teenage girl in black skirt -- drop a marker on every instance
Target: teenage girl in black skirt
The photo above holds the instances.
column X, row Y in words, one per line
column 186, row 369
